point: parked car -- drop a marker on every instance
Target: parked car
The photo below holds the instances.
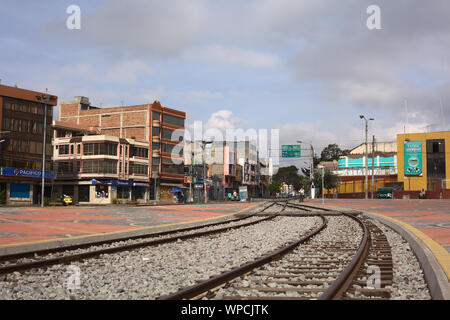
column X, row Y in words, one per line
column 66, row 200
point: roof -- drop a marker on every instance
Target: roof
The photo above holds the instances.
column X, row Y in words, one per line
column 75, row 127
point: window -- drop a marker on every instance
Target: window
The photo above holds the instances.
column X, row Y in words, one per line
column 173, row 120
column 156, row 146
column 139, row 152
column 90, row 149
column 63, row 167
column 100, row 166
column 138, row 169
column 169, row 148
column 63, row 149
column 155, row 131
column 18, row 190
column 156, row 115
column 101, row 191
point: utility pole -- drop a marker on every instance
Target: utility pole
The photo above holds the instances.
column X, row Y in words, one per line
column 366, row 156
column 45, row 99
column 204, row 143
column 373, row 163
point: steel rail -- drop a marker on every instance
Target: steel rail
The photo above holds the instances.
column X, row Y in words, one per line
column 221, row 279
column 338, row 287
column 16, row 256
column 95, row 253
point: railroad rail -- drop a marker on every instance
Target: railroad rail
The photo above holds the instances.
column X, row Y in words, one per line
column 10, row 263
column 340, row 271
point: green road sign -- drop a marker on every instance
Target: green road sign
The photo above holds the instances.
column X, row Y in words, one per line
column 290, row 151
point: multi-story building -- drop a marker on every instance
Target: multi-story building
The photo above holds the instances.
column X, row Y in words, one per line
column 352, row 168
column 160, row 127
column 23, row 116
column 247, row 157
column 96, row 168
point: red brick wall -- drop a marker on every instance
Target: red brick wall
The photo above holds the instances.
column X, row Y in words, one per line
column 134, row 118
column 68, row 109
column 91, row 121
column 137, row 133
column 113, row 120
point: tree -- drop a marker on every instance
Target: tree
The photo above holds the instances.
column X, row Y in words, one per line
column 274, row 187
column 331, row 152
column 288, row 175
column 330, row 180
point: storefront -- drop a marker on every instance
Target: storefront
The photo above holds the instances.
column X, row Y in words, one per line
column 422, row 162
column 23, row 186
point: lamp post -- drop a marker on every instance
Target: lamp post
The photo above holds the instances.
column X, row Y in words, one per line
column 323, row 186
column 204, row 143
column 45, row 99
column 311, row 169
column 366, row 154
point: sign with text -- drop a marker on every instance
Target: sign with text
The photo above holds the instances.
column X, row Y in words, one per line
column 29, row 173
column 290, row 151
column 413, row 158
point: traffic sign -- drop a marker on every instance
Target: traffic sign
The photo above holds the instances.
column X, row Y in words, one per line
column 290, row 151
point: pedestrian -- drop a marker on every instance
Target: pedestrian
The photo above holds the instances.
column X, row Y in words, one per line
column 302, row 194
column 422, row 194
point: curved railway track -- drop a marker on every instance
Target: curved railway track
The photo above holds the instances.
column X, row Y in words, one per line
column 50, row 257
column 309, row 268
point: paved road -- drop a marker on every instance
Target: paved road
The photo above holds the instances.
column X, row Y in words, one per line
column 25, row 225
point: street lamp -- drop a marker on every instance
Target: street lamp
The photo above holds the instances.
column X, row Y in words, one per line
column 323, row 173
column 367, row 152
column 45, row 98
column 312, row 162
column 204, row 143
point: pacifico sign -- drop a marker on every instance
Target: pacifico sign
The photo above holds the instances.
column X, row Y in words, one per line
column 413, row 158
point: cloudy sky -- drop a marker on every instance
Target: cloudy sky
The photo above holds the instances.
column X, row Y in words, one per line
column 306, row 67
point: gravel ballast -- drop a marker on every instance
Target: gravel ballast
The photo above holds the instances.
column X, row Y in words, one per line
column 408, row 281
column 152, row 272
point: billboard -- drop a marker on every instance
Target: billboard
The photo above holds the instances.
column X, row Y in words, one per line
column 290, row 151
column 413, row 158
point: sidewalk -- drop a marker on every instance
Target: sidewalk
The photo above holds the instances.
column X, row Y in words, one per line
column 32, row 225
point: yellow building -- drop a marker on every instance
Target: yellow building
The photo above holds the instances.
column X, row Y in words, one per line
column 422, row 160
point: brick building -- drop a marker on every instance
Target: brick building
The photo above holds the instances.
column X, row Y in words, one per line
column 99, row 169
column 160, row 127
column 22, row 114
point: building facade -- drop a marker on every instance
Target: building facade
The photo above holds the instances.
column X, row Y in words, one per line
column 422, row 161
column 25, row 116
column 160, row 127
column 99, row 169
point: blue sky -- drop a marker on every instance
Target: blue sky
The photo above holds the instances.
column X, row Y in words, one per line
column 308, row 68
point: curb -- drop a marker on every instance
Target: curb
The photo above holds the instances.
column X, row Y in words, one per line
column 436, row 278
column 434, row 274
column 115, row 235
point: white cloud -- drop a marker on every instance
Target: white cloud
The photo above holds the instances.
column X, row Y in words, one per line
column 235, row 56
column 202, row 96
column 222, row 120
column 359, row 92
column 126, row 72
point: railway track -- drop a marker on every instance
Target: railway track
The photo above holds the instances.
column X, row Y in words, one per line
column 333, row 261
column 50, row 257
